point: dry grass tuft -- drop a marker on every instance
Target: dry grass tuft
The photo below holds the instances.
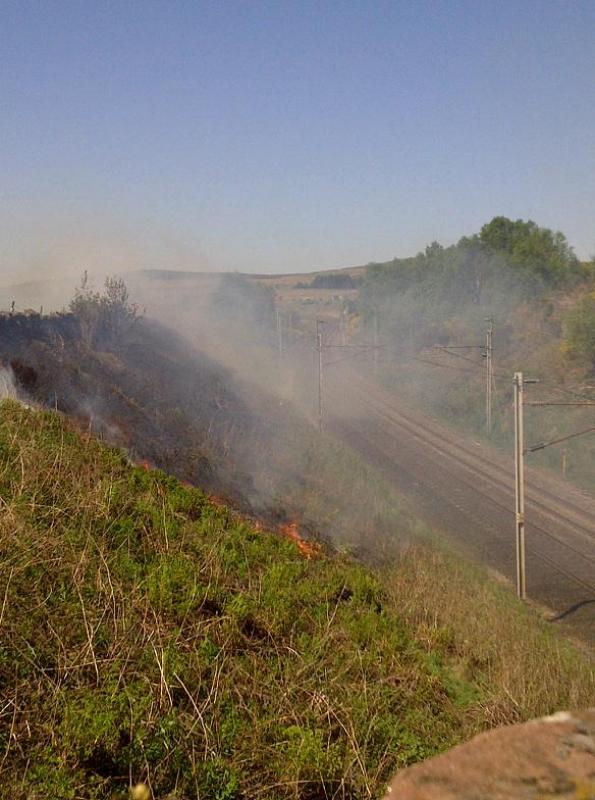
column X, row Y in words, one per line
column 522, row 668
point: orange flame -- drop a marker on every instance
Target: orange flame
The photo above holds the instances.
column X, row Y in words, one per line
column 308, row 549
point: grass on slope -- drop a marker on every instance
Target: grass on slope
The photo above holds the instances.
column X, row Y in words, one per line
column 519, row 665
column 148, row 634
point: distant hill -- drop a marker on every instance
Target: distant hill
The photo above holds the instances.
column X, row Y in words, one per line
column 315, row 277
column 54, row 294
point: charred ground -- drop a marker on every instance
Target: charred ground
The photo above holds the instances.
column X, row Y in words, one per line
column 170, row 406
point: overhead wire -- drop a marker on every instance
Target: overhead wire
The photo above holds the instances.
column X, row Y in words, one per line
column 543, row 445
column 559, row 403
column 444, row 366
column 459, row 355
column 347, row 358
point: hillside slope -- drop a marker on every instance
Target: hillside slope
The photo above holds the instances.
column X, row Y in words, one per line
column 168, row 404
column 149, row 633
column 145, row 392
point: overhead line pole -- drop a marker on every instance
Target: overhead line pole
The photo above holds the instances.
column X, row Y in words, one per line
column 321, row 348
column 519, row 472
column 521, row 586
column 519, row 463
column 489, row 375
column 376, row 339
column 320, row 375
column 487, row 352
column 279, row 334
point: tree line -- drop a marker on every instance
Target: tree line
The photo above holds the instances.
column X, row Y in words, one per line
column 509, row 262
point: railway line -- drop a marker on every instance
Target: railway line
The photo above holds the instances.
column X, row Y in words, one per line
column 583, row 519
column 468, row 492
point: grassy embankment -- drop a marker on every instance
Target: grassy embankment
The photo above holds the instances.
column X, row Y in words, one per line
column 149, row 633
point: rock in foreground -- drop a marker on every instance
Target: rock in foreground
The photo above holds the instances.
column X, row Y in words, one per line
column 553, row 757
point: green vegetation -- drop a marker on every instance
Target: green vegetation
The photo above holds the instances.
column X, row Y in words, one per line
column 580, row 330
column 505, row 263
column 105, row 316
column 542, row 256
column 541, row 299
column 519, row 669
column 331, row 280
column 149, row 633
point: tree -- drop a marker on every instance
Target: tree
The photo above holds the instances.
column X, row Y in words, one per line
column 334, row 280
column 117, row 310
column 540, row 255
column 86, row 306
column 580, row 330
column 104, row 317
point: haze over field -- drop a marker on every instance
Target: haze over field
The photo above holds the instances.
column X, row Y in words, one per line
column 286, row 137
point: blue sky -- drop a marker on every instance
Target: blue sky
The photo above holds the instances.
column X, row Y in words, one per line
column 286, row 136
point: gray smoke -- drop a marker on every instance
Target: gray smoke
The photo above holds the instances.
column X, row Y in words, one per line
column 8, row 389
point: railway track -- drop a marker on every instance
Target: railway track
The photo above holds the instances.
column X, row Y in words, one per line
column 350, row 433
column 470, row 494
column 542, row 499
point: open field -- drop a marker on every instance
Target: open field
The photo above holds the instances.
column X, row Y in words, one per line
column 290, row 281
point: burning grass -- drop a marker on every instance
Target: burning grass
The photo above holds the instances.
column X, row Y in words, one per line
column 307, row 549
